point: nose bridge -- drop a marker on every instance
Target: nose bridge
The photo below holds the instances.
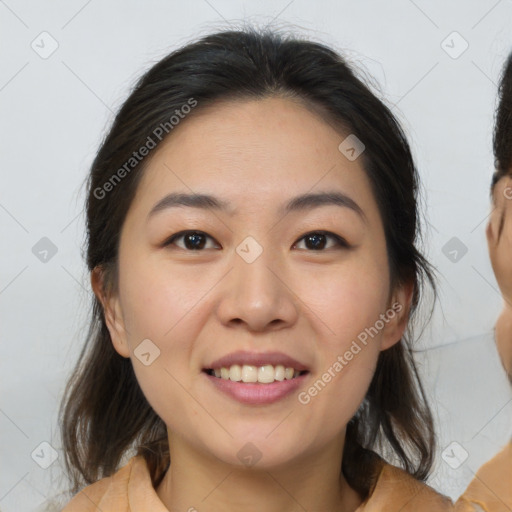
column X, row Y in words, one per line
column 253, row 277
column 255, row 292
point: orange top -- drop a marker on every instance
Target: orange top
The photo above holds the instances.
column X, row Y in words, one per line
column 491, row 489
column 130, row 490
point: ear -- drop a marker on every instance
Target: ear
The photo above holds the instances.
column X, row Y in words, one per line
column 397, row 315
column 112, row 312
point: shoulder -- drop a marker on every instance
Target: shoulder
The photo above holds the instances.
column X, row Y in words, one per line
column 403, row 492
column 491, row 488
column 106, row 493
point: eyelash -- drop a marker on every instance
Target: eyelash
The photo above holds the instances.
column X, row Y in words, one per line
column 340, row 242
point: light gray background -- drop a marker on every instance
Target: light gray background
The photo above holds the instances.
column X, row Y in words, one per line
column 54, row 112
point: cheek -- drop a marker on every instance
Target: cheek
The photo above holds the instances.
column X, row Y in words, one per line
column 158, row 299
column 165, row 308
column 349, row 298
column 502, row 265
column 347, row 307
column 504, row 338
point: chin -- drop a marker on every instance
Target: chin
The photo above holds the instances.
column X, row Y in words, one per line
column 255, row 452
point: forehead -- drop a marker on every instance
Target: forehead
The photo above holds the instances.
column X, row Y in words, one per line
column 256, row 153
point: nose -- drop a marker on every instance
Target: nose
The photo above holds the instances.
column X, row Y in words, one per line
column 258, row 296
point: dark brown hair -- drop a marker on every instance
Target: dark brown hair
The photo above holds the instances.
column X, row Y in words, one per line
column 502, row 140
column 104, row 413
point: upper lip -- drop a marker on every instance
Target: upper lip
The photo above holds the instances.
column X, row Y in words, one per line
column 242, row 357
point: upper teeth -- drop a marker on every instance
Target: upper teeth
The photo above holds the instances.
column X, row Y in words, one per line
column 249, row 373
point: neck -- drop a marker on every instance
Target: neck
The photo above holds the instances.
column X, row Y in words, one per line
column 199, row 481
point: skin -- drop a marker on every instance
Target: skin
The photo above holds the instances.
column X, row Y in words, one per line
column 500, row 251
column 198, row 306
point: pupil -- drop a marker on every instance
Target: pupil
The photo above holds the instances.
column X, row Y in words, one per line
column 194, row 237
column 316, row 243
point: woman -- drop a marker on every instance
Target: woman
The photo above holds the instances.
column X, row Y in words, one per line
column 252, row 221
column 491, row 488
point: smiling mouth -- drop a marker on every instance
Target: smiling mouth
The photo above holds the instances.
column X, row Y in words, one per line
column 250, row 374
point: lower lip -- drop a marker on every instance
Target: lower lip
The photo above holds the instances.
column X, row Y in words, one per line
column 257, row 393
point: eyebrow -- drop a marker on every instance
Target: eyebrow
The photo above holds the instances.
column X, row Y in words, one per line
column 299, row 203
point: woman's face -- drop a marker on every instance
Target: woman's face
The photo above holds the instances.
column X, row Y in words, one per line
column 255, row 283
column 499, row 239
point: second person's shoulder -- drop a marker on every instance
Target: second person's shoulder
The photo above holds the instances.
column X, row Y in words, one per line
column 398, row 489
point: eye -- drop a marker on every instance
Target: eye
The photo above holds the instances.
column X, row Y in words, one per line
column 193, row 240
column 316, row 240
